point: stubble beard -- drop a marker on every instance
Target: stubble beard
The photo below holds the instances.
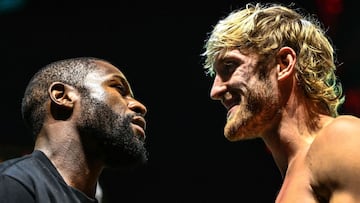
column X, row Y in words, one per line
column 254, row 115
column 115, row 141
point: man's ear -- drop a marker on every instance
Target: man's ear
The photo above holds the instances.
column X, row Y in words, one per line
column 63, row 98
column 286, row 59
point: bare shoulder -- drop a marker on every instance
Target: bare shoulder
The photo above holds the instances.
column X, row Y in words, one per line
column 344, row 124
column 334, row 152
column 343, row 129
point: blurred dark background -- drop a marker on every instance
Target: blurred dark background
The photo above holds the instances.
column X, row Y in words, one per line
column 157, row 44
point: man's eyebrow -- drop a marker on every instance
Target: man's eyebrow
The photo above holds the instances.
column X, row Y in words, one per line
column 117, row 77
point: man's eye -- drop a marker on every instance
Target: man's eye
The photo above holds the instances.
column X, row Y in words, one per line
column 228, row 67
column 121, row 89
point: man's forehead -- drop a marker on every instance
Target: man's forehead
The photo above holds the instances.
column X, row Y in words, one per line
column 107, row 68
column 104, row 72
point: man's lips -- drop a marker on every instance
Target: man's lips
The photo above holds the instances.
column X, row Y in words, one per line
column 231, row 109
column 140, row 124
column 230, row 102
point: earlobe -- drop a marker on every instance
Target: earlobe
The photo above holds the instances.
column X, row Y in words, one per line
column 286, row 60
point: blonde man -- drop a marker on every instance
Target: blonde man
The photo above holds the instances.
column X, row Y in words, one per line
column 274, row 72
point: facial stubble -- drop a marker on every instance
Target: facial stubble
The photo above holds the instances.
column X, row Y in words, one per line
column 116, row 142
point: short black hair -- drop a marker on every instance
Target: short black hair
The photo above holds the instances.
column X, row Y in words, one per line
column 70, row 71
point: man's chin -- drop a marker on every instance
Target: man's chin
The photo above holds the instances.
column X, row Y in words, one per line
column 127, row 162
column 235, row 134
column 232, row 138
column 125, row 157
column 238, row 137
column 230, row 132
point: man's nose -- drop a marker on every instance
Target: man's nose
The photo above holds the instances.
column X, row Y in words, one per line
column 137, row 106
column 218, row 89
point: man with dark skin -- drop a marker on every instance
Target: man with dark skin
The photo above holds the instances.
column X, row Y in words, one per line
column 274, row 72
column 85, row 118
